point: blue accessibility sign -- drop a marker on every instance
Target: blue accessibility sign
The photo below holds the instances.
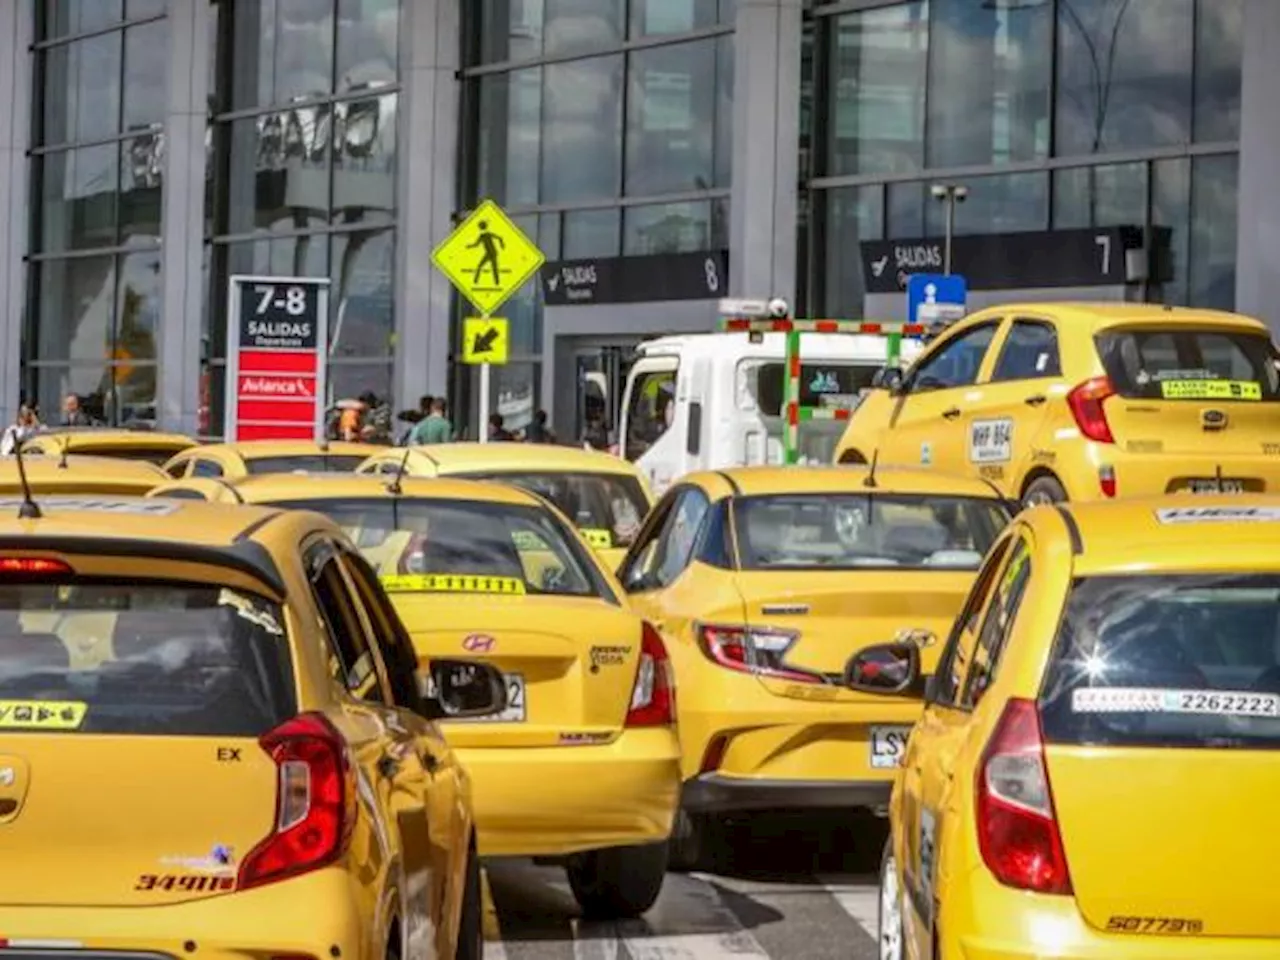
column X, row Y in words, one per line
column 936, row 298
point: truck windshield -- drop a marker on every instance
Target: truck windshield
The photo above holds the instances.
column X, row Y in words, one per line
column 651, row 406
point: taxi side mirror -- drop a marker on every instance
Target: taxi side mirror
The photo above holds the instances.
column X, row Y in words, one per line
column 459, row 689
column 889, row 378
column 889, row 669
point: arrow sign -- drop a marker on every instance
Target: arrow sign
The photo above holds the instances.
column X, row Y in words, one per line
column 485, row 340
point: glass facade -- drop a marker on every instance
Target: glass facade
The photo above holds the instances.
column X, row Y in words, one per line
column 1109, row 112
column 93, row 283
column 302, row 172
column 604, row 127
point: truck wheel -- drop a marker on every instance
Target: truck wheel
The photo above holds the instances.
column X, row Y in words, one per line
column 1044, row 490
column 618, row 883
column 694, row 842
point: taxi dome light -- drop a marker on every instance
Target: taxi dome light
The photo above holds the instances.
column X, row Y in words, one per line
column 33, row 565
column 739, row 307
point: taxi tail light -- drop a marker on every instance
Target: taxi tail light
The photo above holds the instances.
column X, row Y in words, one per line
column 758, row 650
column 1017, row 828
column 1086, row 403
column 653, row 697
column 33, row 566
column 315, row 801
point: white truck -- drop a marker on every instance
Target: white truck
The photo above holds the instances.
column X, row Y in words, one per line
column 715, row 400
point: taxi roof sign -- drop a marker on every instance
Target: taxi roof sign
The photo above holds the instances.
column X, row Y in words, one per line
column 1221, row 514
column 739, row 307
column 487, row 257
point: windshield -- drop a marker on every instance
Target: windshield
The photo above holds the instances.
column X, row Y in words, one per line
column 848, row 531
column 1189, row 660
column 1155, row 364
column 606, row 508
column 304, row 463
column 162, row 659
column 458, row 546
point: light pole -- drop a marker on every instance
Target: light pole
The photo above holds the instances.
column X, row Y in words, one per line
column 950, row 194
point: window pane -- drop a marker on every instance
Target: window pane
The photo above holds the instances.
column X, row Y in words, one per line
column 142, row 169
column 655, row 17
column 549, row 235
column 138, row 309
column 81, row 90
column 509, row 31
column 591, row 233
column 353, row 379
column 108, row 393
column 666, row 228
column 1213, row 231
column 279, row 171
column 509, row 136
column 724, row 111
column 573, row 26
column 1124, row 75
column 63, row 17
column 1002, row 204
column 513, row 393
column 364, row 160
column 283, row 51
column 904, row 216
column 78, row 198
column 75, row 300
column 671, row 109
column 136, row 9
column 1110, row 196
column 1170, row 207
column 306, row 256
column 368, row 34
column 361, row 303
column 1219, row 52
column 146, row 75
column 989, row 71
column 582, row 130
column 877, row 85
column 853, row 214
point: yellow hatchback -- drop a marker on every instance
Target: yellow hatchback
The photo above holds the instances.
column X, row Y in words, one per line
column 80, row 474
column 604, row 496
column 145, row 445
column 1098, row 740
column 213, row 742
column 584, row 761
column 762, row 579
column 253, row 457
column 1060, row 401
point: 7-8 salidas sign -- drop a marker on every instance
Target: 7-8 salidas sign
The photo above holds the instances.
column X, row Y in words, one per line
column 277, row 345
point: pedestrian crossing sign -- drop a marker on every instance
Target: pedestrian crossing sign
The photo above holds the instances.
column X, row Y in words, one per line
column 488, row 258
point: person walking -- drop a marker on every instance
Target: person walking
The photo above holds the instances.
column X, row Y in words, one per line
column 490, row 244
column 435, row 428
column 497, row 432
column 20, row 431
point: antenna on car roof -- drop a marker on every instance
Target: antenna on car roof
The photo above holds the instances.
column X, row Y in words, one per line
column 323, row 444
column 870, row 481
column 395, row 486
column 62, row 453
column 29, row 510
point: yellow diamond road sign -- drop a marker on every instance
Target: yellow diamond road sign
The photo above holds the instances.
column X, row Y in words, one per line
column 487, row 257
column 484, row 340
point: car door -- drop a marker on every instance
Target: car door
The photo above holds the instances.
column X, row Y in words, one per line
column 925, row 427
column 927, row 766
column 1003, row 421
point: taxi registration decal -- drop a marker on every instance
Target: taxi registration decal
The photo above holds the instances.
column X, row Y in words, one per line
column 142, row 508
column 1231, row 703
column 184, row 882
column 42, row 714
column 1169, row 515
column 597, row 537
column 1210, row 390
column 450, row 583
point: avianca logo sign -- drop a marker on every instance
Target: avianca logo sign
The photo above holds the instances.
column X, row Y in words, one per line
column 256, row 386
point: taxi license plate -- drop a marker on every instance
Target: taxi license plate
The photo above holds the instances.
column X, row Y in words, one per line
column 1211, row 486
column 888, row 746
column 515, row 711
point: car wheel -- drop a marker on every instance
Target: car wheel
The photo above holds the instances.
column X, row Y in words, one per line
column 1044, row 490
column 471, row 923
column 694, row 842
column 618, row 882
column 890, row 932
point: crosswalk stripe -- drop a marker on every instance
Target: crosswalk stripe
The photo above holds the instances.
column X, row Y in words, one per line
column 690, row 921
column 594, row 941
column 859, row 901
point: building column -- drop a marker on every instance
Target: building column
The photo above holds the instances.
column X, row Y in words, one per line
column 182, row 217
column 766, row 149
column 1258, row 246
column 430, row 127
column 15, row 130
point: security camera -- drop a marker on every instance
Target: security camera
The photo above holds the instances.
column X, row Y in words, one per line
column 778, row 308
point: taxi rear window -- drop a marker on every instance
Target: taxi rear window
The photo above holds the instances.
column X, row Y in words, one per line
column 146, row 659
column 304, row 463
column 1163, row 364
column 857, row 531
column 607, row 508
column 143, row 454
column 1189, row 660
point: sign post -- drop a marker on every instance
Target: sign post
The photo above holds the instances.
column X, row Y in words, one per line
column 277, row 348
column 488, row 258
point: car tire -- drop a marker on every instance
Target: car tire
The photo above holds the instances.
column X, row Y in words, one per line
column 889, row 929
column 694, row 842
column 471, row 921
column 1043, row 490
column 618, row 883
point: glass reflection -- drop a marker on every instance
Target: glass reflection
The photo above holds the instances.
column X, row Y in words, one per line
column 666, row 228
column 510, row 135
column 1109, row 196
column 78, row 198
column 577, row 26
column 724, row 110
column 1170, row 207
column 1007, row 203
column 509, row 31
column 671, row 109
column 515, row 394
column 904, row 211
column 364, row 159
column 100, row 396
column 353, row 379
column 305, row 256
column 141, row 173
column 136, row 9
column 361, row 301
column 1214, row 186
column 1219, row 54
column 283, row 51
column 989, row 74
column 657, row 17
column 582, row 130
column 76, row 300
column 81, row 90
column 368, row 35
column 853, row 214
column 146, row 75
column 63, row 17
column 591, row 233
column 1124, row 74
column 137, row 324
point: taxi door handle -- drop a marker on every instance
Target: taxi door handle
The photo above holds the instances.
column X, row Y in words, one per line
column 1035, row 400
column 951, row 413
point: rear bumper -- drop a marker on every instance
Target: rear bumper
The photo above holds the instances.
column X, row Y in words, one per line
column 716, row 793
column 1155, row 474
column 551, row 801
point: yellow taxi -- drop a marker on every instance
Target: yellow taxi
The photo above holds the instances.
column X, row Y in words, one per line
column 214, row 740
column 762, row 579
column 1058, row 401
column 604, row 496
column 80, row 474
column 252, row 457
column 145, row 445
column 1100, row 731
column 584, row 762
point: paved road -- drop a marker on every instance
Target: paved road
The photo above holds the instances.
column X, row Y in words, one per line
column 785, row 890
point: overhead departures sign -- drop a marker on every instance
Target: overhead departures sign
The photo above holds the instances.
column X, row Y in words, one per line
column 277, row 336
